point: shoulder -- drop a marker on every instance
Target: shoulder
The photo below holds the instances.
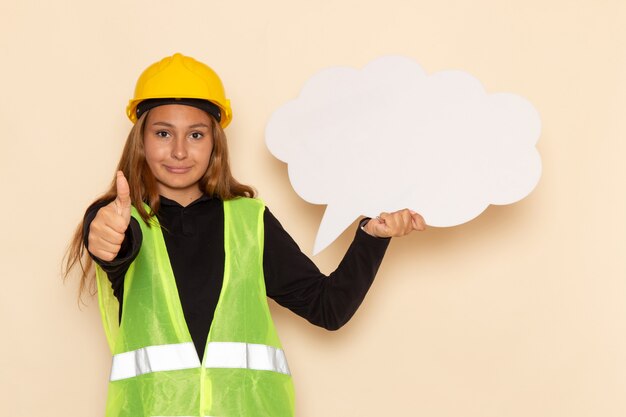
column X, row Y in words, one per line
column 245, row 202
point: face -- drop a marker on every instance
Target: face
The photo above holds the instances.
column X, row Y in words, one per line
column 178, row 144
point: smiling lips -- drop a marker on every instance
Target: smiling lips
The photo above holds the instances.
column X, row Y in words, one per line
column 177, row 170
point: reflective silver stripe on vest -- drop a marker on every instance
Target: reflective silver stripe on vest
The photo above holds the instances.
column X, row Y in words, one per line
column 245, row 355
column 154, row 359
column 183, row 356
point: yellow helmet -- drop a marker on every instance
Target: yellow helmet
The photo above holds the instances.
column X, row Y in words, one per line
column 180, row 77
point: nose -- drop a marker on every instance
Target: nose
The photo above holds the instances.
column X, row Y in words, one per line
column 179, row 149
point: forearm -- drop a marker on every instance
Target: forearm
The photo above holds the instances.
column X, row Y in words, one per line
column 294, row 281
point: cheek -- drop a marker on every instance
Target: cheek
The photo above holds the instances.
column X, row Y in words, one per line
column 153, row 158
column 204, row 153
column 153, row 153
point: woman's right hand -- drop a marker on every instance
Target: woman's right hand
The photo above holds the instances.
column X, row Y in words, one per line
column 108, row 228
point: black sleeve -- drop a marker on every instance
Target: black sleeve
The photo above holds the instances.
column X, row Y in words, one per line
column 293, row 280
column 115, row 269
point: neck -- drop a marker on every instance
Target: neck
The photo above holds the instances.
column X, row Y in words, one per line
column 182, row 197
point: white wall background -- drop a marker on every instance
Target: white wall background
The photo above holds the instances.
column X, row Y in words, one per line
column 521, row 312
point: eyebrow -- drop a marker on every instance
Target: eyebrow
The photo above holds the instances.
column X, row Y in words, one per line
column 194, row 126
column 197, row 125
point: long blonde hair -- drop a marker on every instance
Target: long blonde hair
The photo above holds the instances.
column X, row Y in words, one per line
column 217, row 181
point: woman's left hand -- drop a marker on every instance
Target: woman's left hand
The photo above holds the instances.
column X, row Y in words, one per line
column 398, row 223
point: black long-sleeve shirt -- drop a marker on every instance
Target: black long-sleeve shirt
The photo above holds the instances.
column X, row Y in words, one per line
column 194, row 237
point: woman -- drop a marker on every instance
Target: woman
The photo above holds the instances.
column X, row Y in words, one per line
column 185, row 259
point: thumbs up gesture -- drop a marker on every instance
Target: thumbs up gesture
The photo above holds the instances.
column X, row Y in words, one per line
column 107, row 230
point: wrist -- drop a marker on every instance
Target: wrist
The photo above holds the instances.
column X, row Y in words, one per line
column 366, row 226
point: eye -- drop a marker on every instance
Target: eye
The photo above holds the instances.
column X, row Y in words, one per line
column 196, row 135
column 162, row 134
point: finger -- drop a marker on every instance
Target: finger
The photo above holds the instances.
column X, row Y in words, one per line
column 102, row 244
column 108, row 224
column 118, row 223
column 384, row 225
column 418, row 221
column 407, row 221
column 399, row 223
column 97, row 236
column 108, row 217
column 123, row 192
column 382, row 217
column 99, row 246
column 104, row 255
column 385, row 220
column 111, row 236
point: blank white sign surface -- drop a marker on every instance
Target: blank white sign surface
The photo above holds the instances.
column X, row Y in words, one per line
column 389, row 136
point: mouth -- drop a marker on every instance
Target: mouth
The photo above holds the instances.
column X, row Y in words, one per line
column 176, row 169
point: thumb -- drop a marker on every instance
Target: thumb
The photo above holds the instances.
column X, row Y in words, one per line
column 122, row 201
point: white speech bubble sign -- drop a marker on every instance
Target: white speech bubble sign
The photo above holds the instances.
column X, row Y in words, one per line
column 389, row 136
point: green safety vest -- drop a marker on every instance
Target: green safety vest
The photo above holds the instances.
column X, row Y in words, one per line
column 156, row 370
